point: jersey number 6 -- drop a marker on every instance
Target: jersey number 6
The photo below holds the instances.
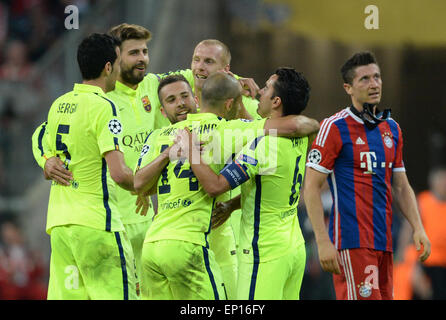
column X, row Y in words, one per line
column 297, row 178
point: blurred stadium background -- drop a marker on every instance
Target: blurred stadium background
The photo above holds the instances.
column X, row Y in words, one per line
column 38, row 63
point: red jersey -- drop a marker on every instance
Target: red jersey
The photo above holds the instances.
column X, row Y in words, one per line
column 360, row 163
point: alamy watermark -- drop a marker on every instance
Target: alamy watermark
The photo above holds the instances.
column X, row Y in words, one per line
column 372, row 20
column 72, row 20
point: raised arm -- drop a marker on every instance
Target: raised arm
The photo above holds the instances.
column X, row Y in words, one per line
column 147, row 177
column 292, row 126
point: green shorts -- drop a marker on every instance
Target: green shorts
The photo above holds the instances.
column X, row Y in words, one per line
column 136, row 232
column 277, row 279
column 222, row 243
column 235, row 219
column 180, row 270
column 88, row 263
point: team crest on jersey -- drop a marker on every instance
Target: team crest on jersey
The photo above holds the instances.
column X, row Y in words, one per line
column 315, row 156
column 115, row 126
column 146, row 103
column 365, row 290
column 388, row 141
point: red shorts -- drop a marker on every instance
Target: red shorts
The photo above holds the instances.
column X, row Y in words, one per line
column 366, row 274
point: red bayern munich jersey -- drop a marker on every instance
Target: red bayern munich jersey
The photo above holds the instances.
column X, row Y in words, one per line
column 360, row 163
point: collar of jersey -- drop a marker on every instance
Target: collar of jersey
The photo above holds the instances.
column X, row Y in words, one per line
column 202, row 115
column 82, row 87
column 120, row 87
column 354, row 115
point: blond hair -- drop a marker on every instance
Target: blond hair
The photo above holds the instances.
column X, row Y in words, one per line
column 226, row 54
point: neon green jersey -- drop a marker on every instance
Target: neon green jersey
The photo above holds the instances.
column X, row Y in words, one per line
column 140, row 115
column 83, row 125
column 270, row 171
column 41, row 150
column 251, row 106
column 184, row 208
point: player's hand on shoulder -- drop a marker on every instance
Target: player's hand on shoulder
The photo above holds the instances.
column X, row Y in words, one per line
column 55, row 170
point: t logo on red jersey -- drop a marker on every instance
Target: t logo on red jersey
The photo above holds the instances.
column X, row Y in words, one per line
column 368, row 163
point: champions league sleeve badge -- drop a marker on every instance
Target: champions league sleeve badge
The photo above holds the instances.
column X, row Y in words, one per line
column 315, row 156
column 115, row 126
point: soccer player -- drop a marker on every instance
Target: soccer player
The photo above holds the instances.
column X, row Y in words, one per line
column 211, row 56
column 176, row 258
column 137, row 97
column 359, row 151
column 91, row 257
column 270, row 171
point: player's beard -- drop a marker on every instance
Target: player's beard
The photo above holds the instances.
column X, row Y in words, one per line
column 129, row 75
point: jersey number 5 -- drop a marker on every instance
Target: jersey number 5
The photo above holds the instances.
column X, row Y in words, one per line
column 60, row 146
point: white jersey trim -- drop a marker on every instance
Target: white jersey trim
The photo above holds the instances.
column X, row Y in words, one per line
column 326, row 126
column 318, row 168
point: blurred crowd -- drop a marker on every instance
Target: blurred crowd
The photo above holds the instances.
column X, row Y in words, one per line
column 28, row 28
column 23, row 274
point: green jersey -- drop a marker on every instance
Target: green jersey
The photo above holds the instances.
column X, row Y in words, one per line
column 82, row 126
column 41, row 151
column 184, row 208
column 140, row 115
column 270, row 171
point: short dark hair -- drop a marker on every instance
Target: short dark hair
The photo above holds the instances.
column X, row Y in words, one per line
column 171, row 79
column 293, row 90
column 94, row 52
column 362, row 58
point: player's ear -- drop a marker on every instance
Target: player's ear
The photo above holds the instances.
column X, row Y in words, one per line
column 276, row 102
column 348, row 88
column 227, row 68
column 163, row 111
column 108, row 68
column 229, row 104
